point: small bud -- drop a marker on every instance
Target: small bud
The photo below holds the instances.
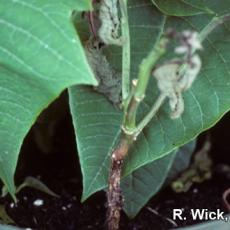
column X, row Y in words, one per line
column 134, row 82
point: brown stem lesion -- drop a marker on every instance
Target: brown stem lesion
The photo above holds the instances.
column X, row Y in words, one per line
column 114, row 195
column 128, row 135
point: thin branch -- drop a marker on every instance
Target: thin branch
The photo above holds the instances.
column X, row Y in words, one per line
column 160, row 100
column 214, row 23
column 129, row 125
column 125, row 49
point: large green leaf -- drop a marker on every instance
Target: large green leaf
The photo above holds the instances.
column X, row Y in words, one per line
column 139, row 186
column 40, row 56
column 97, row 127
column 182, row 7
column 97, row 122
column 143, row 183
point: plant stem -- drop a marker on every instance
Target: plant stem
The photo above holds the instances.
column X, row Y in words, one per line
column 160, row 100
column 129, row 124
column 114, row 195
column 147, row 65
column 125, row 49
column 216, row 21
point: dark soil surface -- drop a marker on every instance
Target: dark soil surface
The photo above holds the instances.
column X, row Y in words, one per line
column 60, row 171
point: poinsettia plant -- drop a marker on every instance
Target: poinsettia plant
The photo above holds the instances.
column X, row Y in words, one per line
column 144, row 77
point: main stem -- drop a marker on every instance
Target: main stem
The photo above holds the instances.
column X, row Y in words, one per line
column 140, row 85
column 128, row 135
column 114, row 195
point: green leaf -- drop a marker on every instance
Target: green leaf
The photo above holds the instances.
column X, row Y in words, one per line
column 182, row 7
column 35, row 183
column 40, row 56
column 181, row 161
column 139, row 186
column 78, row 5
column 97, row 122
column 143, row 183
column 97, row 128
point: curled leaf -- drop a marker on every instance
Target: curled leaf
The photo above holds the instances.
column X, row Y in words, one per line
column 193, row 68
column 110, row 22
column 167, row 81
column 109, row 80
column 177, row 75
column 189, row 41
